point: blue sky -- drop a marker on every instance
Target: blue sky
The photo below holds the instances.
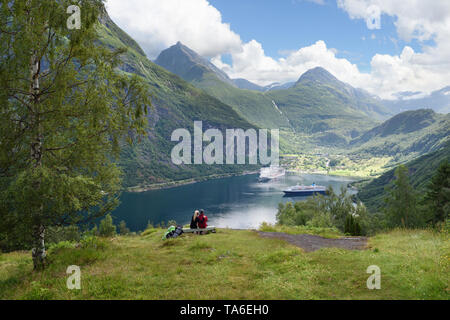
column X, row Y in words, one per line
column 266, row 41
column 286, row 25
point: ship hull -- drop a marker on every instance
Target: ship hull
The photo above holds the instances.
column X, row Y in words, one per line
column 303, row 193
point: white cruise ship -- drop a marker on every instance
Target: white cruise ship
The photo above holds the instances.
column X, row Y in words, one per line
column 271, row 173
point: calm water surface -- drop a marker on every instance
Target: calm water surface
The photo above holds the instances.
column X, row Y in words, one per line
column 236, row 202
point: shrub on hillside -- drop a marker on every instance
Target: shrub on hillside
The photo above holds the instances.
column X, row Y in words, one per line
column 327, row 211
column 352, row 226
column 54, row 247
column 123, row 230
column 107, row 227
column 92, row 242
column 61, row 234
column 321, row 220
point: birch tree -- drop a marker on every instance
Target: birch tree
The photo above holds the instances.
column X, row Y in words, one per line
column 65, row 109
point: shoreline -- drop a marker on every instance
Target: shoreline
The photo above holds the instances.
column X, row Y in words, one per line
column 174, row 184
column 331, row 174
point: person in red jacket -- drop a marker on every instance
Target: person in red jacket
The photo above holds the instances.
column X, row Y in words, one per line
column 202, row 220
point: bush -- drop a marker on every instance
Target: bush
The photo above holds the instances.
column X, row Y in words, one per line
column 107, row 227
column 123, row 230
column 54, row 247
column 321, row 220
column 92, row 242
column 352, row 226
column 325, row 212
column 60, row 234
column 266, row 227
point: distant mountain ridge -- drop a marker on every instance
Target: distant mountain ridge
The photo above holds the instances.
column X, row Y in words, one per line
column 403, row 123
column 247, row 85
column 317, row 104
column 186, row 63
column 322, row 109
column 253, row 105
column 330, row 110
column 408, row 134
column 360, row 98
column 438, row 100
column 320, row 75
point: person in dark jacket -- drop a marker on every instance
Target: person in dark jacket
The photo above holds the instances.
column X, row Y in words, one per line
column 194, row 220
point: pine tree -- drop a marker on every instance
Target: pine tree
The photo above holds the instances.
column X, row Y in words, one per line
column 64, row 109
column 401, row 202
column 438, row 194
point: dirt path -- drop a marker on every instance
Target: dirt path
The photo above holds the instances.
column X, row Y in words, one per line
column 312, row 243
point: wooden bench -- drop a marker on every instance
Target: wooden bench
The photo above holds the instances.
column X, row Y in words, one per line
column 207, row 229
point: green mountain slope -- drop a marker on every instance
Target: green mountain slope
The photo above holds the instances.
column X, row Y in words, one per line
column 421, row 171
column 254, row 106
column 186, row 63
column 406, row 135
column 320, row 108
column 330, row 110
column 177, row 105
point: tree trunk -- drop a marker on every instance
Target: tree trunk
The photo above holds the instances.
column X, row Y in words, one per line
column 38, row 252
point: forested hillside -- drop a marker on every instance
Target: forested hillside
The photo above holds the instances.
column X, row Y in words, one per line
column 405, row 136
column 177, row 104
column 421, row 171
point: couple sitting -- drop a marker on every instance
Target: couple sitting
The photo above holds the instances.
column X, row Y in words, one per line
column 199, row 220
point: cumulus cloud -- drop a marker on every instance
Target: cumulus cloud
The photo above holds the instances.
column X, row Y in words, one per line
column 417, row 19
column 373, row 17
column 157, row 24
column 253, row 65
column 410, row 71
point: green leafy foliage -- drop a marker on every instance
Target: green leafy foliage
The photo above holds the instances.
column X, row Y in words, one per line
column 107, row 227
column 123, row 230
column 401, row 202
column 332, row 210
column 352, row 226
column 65, row 110
column 420, row 172
column 437, row 197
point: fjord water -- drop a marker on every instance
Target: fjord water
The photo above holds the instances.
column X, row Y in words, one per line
column 238, row 202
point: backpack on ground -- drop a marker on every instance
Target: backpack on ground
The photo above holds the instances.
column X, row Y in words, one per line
column 173, row 232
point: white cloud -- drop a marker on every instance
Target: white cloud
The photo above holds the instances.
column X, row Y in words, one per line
column 158, row 24
column 410, row 71
column 415, row 19
column 373, row 17
column 254, row 65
